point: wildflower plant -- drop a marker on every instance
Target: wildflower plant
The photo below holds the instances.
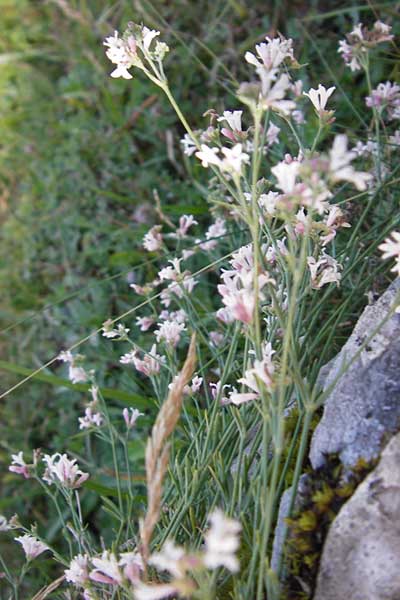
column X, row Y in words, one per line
column 218, row 454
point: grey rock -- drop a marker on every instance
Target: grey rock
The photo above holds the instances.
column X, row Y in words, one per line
column 365, row 401
column 360, row 559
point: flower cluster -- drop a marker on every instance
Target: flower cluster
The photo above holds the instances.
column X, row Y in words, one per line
column 386, row 97
column 63, row 471
column 135, row 49
column 221, row 544
column 360, row 40
column 238, row 287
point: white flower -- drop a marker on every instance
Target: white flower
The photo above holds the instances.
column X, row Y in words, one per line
column 148, row 36
column 233, row 118
column 169, row 559
column 216, row 230
column 189, row 145
column 208, row 156
column 273, row 92
column 257, row 377
column 63, row 470
column 390, row 248
column 286, row 175
column 76, row 373
column 106, row 569
column 78, row 572
column 319, row 97
column 154, row 592
column 272, row 53
column 340, row 167
column 234, row 159
column 32, row 546
column 130, row 419
column 118, row 54
column 170, row 332
column 222, row 541
column 152, row 241
column 267, row 202
column 325, row 270
column 110, row 332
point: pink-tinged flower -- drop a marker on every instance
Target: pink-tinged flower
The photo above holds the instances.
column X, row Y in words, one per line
column 185, row 222
column 334, row 221
column 171, row 272
column 91, row 419
column 142, row 290
column 195, row 385
column 325, row 270
column 272, row 135
column 144, row 323
column 319, row 98
column 218, row 392
column 258, row 378
column 225, row 316
column 150, row 364
column 216, row 230
column 31, row 546
column 78, row 572
column 130, row 419
column 19, row 466
column 169, row 332
column 132, row 566
column 61, row 469
column 390, row 248
column 234, row 130
column 271, row 55
column 76, row 372
column 298, row 117
column 360, row 40
column 340, row 167
column 153, row 240
column 128, row 358
column 233, row 119
column 222, row 542
column 386, row 97
column 187, row 254
column 216, row 338
column 241, row 303
column 106, row 569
